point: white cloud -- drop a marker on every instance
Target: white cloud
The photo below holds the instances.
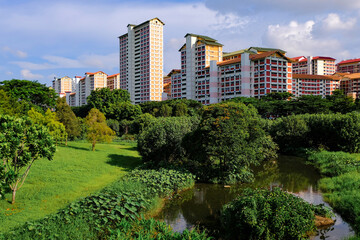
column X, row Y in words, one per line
column 333, row 22
column 16, row 53
column 9, row 73
column 230, row 22
column 26, row 74
column 297, row 39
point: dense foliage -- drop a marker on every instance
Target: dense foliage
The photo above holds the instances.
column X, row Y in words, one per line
column 334, row 132
column 267, row 214
column 11, row 106
column 333, row 164
column 31, row 92
column 284, row 104
column 160, row 143
column 175, row 108
column 21, row 143
column 103, row 98
column 229, row 139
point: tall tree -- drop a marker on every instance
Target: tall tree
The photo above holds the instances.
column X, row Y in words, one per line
column 30, row 91
column 103, row 98
column 22, row 143
column 67, row 117
column 98, row 131
column 229, row 139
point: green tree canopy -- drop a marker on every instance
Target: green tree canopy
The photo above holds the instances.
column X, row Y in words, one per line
column 50, row 120
column 229, row 139
column 67, row 117
column 30, row 91
column 104, row 98
column 98, row 131
column 21, row 143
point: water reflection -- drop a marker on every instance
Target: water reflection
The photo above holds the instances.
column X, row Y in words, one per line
column 201, row 205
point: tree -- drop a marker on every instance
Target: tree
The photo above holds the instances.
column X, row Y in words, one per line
column 123, row 111
column 143, row 121
column 50, row 120
column 32, row 92
column 229, row 139
column 161, row 141
column 180, row 110
column 103, row 98
column 67, row 117
column 165, row 110
column 340, row 102
column 98, row 131
column 22, row 143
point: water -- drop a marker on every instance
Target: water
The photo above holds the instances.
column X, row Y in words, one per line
column 200, row 205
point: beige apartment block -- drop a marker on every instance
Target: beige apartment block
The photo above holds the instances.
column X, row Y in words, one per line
column 141, row 61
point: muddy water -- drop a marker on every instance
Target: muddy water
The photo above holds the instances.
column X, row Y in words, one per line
column 201, row 205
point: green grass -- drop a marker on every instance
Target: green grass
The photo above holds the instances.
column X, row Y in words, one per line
column 75, row 172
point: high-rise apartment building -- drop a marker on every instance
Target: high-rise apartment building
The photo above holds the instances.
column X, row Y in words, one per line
column 350, row 84
column 209, row 76
column 349, row 66
column 141, row 61
column 62, row 85
column 314, row 65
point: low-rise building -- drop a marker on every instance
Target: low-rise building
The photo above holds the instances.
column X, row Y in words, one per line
column 318, row 65
column 317, row 85
column 349, row 66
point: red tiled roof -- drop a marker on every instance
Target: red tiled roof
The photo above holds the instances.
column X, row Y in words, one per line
column 308, row 76
column 227, row 62
column 297, row 58
column 349, row 61
column 113, row 75
column 323, row 58
column 89, row 73
column 77, row 77
column 267, row 54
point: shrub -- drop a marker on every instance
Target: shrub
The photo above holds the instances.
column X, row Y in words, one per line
column 266, row 214
column 334, row 163
column 161, row 141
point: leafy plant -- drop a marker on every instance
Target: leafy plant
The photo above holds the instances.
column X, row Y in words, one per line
column 267, row 214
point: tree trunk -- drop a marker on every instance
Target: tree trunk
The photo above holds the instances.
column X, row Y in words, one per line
column 66, row 141
column 14, row 193
column 93, row 146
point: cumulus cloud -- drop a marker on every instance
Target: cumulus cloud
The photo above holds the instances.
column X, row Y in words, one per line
column 333, row 22
column 297, row 39
column 16, row 53
column 27, row 74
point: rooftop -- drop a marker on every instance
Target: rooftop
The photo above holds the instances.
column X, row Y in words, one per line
column 349, row 61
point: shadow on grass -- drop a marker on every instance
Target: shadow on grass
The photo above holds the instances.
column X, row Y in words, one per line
column 81, row 148
column 126, row 162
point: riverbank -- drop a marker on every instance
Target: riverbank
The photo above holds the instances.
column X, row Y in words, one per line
column 75, row 172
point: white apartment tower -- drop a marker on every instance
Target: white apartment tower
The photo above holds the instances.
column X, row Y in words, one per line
column 141, row 61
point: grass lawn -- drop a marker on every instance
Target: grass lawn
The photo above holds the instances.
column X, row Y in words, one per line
column 75, row 172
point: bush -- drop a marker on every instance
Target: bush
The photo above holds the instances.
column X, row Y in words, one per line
column 333, row 132
column 161, row 141
column 266, row 214
column 334, row 163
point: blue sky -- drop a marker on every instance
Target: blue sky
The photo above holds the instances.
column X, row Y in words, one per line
column 42, row 39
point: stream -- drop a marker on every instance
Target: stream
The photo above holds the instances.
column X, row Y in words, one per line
column 200, row 206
